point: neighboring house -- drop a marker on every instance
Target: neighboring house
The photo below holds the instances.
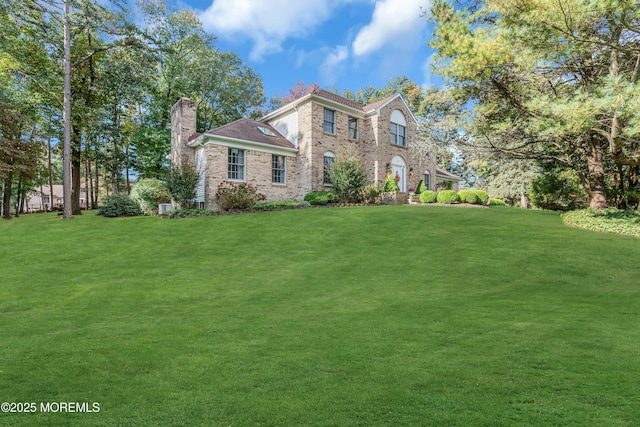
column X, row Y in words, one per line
column 444, row 177
column 41, row 198
column 286, row 153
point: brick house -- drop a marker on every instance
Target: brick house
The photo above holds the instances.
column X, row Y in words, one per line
column 285, row 154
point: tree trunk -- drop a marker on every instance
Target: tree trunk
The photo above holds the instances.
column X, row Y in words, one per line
column 89, row 189
column 524, row 201
column 97, row 187
column 18, row 199
column 76, row 174
column 597, row 184
column 66, row 115
column 6, row 196
column 50, row 176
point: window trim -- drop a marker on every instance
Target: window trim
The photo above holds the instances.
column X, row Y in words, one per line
column 242, row 165
column 274, row 169
column 427, row 180
column 331, row 123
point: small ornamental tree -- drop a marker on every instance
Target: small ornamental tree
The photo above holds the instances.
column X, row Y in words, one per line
column 181, row 182
column 422, row 187
column 149, row 193
column 348, row 176
column 390, row 185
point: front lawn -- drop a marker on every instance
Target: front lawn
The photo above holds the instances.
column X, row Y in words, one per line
column 390, row 315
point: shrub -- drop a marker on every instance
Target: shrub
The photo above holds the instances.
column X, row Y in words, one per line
column 390, row 185
column 237, row 196
column 421, row 188
column 119, row 204
column 371, row 193
column 320, row 197
column 483, row 197
column 496, row 202
column 148, row 193
column 181, row 182
column 468, row 196
column 428, row 196
column 348, row 175
column 560, row 191
column 609, row 220
column 448, row 197
column 267, row 206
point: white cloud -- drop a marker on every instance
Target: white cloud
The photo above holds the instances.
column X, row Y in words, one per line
column 266, row 22
column 331, row 62
column 393, row 22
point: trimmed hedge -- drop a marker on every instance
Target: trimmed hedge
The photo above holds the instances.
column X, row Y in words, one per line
column 609, row 220
column 448, row 197
column 468, row 196
column 428, row 196
column 482, row 196
column 321, row 197
column 390, row 185
column 496, row 202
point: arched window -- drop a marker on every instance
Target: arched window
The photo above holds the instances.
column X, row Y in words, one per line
column 398, row 128
column 329, row 159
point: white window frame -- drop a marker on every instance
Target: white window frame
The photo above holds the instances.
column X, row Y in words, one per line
column 398, row 135
column 278, row 171
column 330, row 123
column 427, row 180
column 237, row 168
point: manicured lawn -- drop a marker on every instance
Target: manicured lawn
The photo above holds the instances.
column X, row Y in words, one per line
column 403, row 315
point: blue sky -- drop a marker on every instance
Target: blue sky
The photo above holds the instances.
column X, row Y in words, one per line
column 346, row 44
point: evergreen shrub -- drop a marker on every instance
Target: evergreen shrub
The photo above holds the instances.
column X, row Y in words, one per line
column 448, row 197
column 119, row 204
column 468, row 196
column 482, row 196
column 321, row 197
column 428, row 196
column 390, row 185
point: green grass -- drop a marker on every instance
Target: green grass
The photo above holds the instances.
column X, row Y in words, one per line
column 390, row 315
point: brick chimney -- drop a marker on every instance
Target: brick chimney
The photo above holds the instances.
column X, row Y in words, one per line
column 183, row 125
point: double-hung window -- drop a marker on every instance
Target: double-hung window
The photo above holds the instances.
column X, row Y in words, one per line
column 278, row 169
column 329, row 159
column 398, row 135
column 353, row 128
column 236, row 166
column 329, row 121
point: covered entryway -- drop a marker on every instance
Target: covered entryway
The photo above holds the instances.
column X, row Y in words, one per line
column 399, row 170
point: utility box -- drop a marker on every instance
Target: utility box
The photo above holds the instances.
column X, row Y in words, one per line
column 164, row 208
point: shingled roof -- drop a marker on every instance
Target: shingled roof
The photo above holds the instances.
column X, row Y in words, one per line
column 349, row 102
column 247, row 130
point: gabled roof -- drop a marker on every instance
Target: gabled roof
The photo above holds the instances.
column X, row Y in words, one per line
column 448, row 175
column 248, row 130
column 337, row 100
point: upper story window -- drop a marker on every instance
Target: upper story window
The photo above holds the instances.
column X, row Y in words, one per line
column 398, row 129
column 278, row 169
column 353, row 128
column 236, row 164
column 329, row 159
column 329, row 121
